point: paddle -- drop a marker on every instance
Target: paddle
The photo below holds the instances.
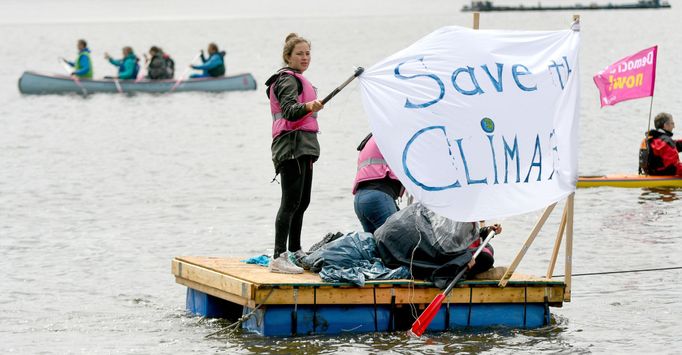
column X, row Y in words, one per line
column 75, row 79
column 184, row 73
column 357, row 73
column 420, row 325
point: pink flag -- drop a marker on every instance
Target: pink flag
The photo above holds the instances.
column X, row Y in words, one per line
column 629, row 78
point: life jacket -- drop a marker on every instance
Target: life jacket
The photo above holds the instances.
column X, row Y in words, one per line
column 307, row 123
column 654, row 164
column 371, row 165
column 488, row 248
column 136, row 70
column 84, row 53
column 220, row 69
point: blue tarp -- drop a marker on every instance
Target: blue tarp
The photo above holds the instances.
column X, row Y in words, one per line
column 352, row 258
column 262, row 260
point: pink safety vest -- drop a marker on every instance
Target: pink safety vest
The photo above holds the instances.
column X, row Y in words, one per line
column 478, row 242
column 371, row 165
column 306, row 123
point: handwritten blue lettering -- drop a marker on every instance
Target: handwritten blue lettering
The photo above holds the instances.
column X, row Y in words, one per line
column 477, row 88
column 408, row 103
column 537, row 152
column 407, row 169
column 496, row 82
column 516, row 73
column 512, row 153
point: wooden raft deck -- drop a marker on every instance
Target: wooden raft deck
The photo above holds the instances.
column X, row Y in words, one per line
column 250, row 285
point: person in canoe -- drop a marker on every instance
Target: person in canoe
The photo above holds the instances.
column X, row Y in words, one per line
column 159, row 64
column 376, row 188
column 663, row 151
column 294, row 106
column 128, row 66
column 213, row 66
column 82, row 66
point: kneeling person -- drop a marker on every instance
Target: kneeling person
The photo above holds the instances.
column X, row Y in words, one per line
column 376, row 188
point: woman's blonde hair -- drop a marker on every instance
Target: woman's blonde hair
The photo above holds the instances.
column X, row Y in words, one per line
column 289, row 43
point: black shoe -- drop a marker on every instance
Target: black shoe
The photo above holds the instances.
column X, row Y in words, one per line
column 330, row 237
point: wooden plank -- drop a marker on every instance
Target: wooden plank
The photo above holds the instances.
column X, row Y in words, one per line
column 557, row 243
column 213, row 279
column 526, row 245
column 569, row 248
column 350, row 296
column 554, row 294
column 216, row 276
column 212, row 291
column 498, row 295
column 260, row 276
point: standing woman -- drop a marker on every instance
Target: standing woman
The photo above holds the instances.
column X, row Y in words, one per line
column 376, row 188
column 294, row 107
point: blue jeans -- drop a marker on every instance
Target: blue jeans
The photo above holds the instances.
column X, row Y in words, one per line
column 373, row 208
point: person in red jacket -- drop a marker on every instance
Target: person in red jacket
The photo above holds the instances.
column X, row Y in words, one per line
column 663, row 156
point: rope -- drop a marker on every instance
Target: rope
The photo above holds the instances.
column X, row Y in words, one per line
column 232, row 328
column 622, row 271
column 410, row 286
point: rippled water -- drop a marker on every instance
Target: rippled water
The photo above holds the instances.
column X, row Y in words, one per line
column 99, row 194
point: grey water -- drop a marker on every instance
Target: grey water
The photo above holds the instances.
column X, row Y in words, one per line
column 98, row 194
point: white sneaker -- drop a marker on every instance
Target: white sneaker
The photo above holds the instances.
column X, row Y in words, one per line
column 283, row 265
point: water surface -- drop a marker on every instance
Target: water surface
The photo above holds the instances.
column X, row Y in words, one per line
column 99, row 194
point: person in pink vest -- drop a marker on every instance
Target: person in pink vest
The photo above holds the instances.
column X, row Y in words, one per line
column 294, row 106
column 376, row 188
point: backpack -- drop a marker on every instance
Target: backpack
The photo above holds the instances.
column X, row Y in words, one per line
column 170, row 66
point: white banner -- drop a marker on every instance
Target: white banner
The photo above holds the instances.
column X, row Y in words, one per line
column 479, row 124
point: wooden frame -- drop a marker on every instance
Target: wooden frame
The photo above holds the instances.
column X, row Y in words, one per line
column 566, row 226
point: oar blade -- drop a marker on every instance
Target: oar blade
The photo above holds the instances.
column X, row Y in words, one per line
column 419, row 326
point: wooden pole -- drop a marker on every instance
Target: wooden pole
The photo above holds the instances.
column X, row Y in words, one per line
column 526, row 245
column 477, row 16
column 557, row 243
column 569, row 248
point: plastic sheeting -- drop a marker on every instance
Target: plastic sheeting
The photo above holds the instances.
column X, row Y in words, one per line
column 432, row 246
column 352, row 258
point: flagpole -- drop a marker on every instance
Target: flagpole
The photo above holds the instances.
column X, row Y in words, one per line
column 651, row 105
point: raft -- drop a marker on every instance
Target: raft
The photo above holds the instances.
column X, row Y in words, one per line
column 629, row 181
column 37, row 83
column 292, row 305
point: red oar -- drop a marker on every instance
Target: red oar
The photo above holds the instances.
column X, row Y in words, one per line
column 419, row 326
